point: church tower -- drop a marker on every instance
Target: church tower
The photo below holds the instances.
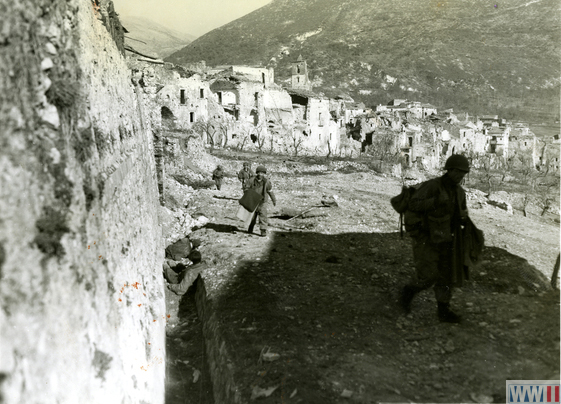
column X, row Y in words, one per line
column 300, row 78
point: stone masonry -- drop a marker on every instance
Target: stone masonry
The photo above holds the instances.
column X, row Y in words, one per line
column 82, row 314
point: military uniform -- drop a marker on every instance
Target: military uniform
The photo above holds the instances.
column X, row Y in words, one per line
column 264, row 187
column 244, row 176
column 437, row 258
column 217, row 176
column 438, row 248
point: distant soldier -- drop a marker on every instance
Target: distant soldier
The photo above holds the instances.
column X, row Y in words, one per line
column 263, row 186
column 437, row 242
column 217, row 176
column 245, row 175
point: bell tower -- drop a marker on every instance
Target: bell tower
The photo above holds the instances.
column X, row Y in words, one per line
column 300, row 78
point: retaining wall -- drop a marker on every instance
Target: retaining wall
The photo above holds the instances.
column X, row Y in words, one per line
column 82, row 314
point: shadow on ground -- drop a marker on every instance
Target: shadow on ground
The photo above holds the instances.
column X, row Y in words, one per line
column 327, row 305
column 187, row 374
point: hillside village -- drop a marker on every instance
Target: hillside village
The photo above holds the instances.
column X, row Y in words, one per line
column 242, row 107
column 92, row 132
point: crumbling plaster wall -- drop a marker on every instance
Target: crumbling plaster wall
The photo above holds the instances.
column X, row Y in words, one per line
column 170, row 97
column 319, row 129
column 82, row 313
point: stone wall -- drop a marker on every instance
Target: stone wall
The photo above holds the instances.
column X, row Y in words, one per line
column 82, row 314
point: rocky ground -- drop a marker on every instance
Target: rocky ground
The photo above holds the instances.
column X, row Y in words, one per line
column 309, row 314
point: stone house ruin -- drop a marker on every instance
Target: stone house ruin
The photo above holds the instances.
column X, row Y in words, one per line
column 258, row 107
column 183, row 101
column 314, row 121
column 409, row 109
column 498, row 140
column 472, row 139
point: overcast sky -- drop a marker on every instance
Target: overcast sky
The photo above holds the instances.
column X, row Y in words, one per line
column 195, row 17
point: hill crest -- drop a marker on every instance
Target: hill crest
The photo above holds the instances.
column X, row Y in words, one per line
column 465, row 54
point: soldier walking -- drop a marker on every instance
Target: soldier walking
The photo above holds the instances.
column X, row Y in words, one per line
column 438, row 248
column 263, row 186
column 217, row 176
column 245, row 175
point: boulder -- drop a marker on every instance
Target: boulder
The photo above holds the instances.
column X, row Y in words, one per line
column 499, row 202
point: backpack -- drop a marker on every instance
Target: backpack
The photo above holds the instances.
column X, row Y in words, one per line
column 407, row 218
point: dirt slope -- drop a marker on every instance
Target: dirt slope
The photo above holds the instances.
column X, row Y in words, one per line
column 321, row 292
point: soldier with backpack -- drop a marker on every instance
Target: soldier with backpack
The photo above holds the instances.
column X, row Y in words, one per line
column 438, row 208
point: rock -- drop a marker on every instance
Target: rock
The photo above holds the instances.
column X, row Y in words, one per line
column 330, row 201
column 47, row 64
column 175, row 224
column 481, row 398
column 50, row 48
column 259, row 392
column 500, row 201
column 178, row 250
column 49, row 114
column 346, row 393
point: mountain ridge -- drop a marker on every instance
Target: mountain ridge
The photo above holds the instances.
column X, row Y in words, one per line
column 467, row 54
column 149, row 37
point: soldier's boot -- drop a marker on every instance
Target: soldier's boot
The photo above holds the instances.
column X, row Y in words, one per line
column 263, row 233
column 407, row 295
column 445, row 315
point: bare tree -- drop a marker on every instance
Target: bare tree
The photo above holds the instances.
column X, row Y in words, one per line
column 507, row 165
column 211, row 129
column 247, row 133
column 485, row 164
column 297, row 142
column 525, row 203
column 526, row 166
column 546, row 190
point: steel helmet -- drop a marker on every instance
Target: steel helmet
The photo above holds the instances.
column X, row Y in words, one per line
column 457, row 161
column 261, row 169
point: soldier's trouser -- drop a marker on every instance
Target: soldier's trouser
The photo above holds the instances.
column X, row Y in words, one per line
column 262, row 212
column 433, row 264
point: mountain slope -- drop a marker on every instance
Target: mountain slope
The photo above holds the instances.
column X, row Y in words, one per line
column 473, row 55
column 153, row 39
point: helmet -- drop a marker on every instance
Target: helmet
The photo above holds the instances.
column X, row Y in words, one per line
column 246, row 164
column 457, row 161
column 195, row 256
column 261, row 169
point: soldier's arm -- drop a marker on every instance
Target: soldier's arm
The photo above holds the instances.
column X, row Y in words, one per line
column 269, row 188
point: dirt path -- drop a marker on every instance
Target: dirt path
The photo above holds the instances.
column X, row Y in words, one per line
column 321, row 293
